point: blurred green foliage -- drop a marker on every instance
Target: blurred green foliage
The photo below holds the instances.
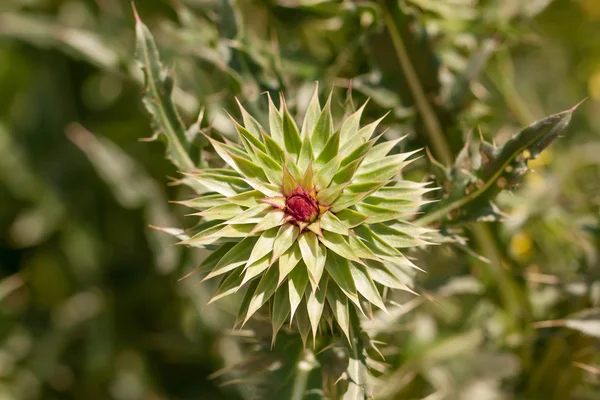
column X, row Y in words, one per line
column 90, row 302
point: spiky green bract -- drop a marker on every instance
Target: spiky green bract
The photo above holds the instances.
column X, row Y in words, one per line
column 313, row 217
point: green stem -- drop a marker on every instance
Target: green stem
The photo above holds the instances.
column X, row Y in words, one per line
column 305, row 365
column 358, row 357
column 432, row 125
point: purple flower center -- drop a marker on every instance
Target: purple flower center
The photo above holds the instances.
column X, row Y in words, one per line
column 301, row 206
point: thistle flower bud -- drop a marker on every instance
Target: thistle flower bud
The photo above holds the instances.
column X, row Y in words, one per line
column 313, row 218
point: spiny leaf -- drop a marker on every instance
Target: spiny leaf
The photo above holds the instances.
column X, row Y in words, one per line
column 235, row 257
column 315, row 301
column 297, row 281
column 158, row 100
column 273, row 219
column 264, row 291
column 531, row 140
column 365, row 286
column 288, row 261
column 250, row 123
column 330, row 150
column 325, row 174
column 336, row 243
column 312, row 114
column 256, row 268
column 329, row 195
column 286, row 236
column 275, row 122
column 291, row 136
column 263, row 246
column 350, row 126
column 281, row 310
column 222, row 212
column 323, row 128
column 339, row 269
column 250, row 215
column 229, row 285
column 338, row 302
column 303, row 322
column 312, row 255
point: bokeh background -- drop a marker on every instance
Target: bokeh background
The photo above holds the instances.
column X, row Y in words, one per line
column 90, row 302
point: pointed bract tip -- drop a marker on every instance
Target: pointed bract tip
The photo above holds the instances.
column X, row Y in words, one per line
column 576, row 106
column 135, row 13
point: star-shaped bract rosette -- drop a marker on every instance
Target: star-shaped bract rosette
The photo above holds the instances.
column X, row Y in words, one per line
column 312, row 220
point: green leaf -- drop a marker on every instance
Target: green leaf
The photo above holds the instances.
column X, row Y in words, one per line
column 313, row 256
column 377, row 214
column 331, row 223
column 273, row 148
column 235, row 257
column 330, row 150
column 325, row 174
column 211, row 261
column 245, row 303
column 323, row 128
column 248, row 139
column 379, row 151
column 251, row 215
column 281, row 310
column 338, row 302
column 246, row 199
column 250, row 123
column 275, row 123
column 273, row 219
column 264, row 291
column 289, row 182
column 365, row 286
column 214, row 185
column 288, row 261
column 395, row 237
column 307, row 180
column 303, row 322
column 286, row 236
column 354, row 193
column 158, row 99
column 271, row 168
column 350, row 126
column 350, row 217
column 249, row 169
column 338, row 244
column 362, row 136
column 291, row 136
column 306, row 154
column 381, row 274
column 315, row 301
column 205, row 236
column 297, row 281
column 339, row 269
column 263, row 246
column 229, row 285
column 203, row 202
column 312, row 115
column 267, row 189
column 256, row 268
column 222, row 212
column 329, row 195
column 530, row 141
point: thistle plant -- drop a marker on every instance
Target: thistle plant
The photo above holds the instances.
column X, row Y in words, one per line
column 310, row 218
column 313, row 217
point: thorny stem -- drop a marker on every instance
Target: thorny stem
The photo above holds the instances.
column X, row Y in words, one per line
column 440, row 145
column 432, row 125
column 358, row 353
